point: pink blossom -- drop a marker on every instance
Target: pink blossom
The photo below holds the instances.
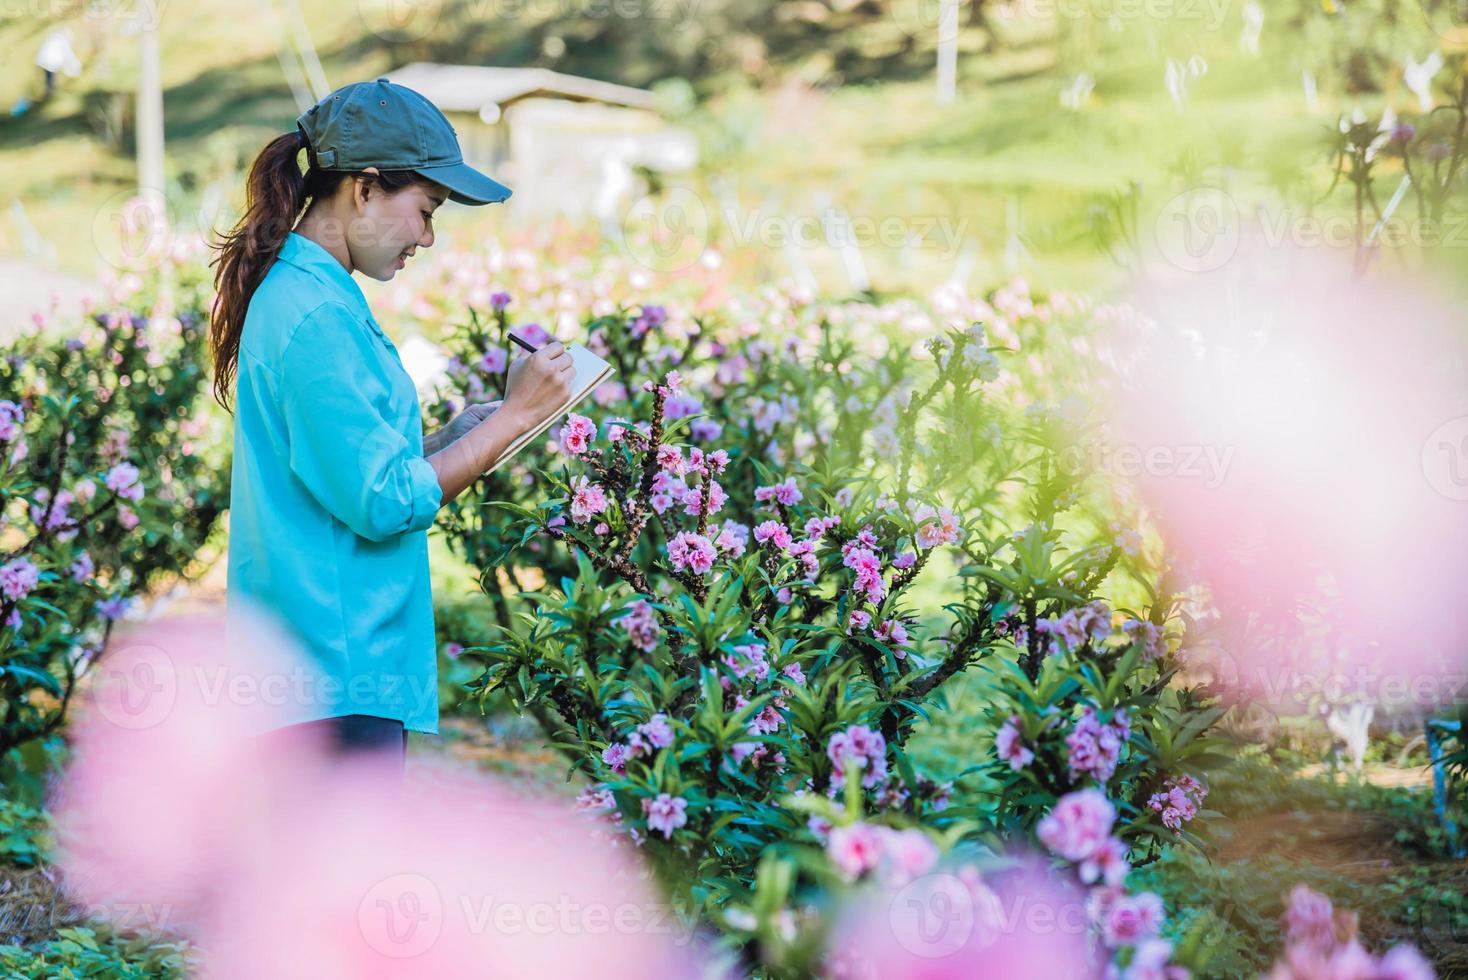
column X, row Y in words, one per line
column 713, row 499
column 11, row 418
column 641, row 624
column 733, row 537
column 906, row 855
column 935, row 527
column 577, row 434
column 784, row 492
column 533, row 334
column 81, row 569
column 1095, row 747
column 693, row 552
column 596, row 797
column 666, row 813
column 18, row 577
column 122, row 479
column 657, row 731
column 1404, row 962
column 905, row 560
column 893, row 633
column 1309, row 919
column 793, row 671
column 587, row 500
column 861, row 747
column 718, row 460
column 774, row 532
column 860, row 620
column 1010, row 747
column 616, row 756
column 1107, row 862
column 670, row 458
column 1131, row 918
column 494, row 361
column 127, row 517
column 855, row 849
column 1079, row 823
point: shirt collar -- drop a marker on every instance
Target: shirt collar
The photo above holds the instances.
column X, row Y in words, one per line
column 311, row 257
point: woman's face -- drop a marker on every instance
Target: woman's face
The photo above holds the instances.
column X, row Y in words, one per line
column 391, row 226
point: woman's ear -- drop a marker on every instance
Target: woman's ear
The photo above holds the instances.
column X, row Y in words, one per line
column 360, row 187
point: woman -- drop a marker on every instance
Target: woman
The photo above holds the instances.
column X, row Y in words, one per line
column 334, row 484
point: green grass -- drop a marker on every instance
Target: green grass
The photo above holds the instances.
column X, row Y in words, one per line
column 879, row 149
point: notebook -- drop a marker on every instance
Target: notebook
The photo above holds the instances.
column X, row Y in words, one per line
column 590, row 372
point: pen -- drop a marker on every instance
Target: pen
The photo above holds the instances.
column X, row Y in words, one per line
column 522, row 343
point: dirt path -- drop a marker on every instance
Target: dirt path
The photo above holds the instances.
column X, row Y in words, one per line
column 1362, row 848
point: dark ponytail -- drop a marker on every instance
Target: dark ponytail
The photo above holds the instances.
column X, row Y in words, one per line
column 274, row 196
column 276, row 193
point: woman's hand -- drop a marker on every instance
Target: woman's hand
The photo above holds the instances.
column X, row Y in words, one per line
column 538, row 384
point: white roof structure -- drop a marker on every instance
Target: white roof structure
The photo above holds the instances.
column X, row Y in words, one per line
column 472, row 88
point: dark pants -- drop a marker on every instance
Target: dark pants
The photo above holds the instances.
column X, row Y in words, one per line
column 353, row 734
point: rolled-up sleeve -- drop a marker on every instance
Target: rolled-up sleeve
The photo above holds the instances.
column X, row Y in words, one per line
column 345, row 443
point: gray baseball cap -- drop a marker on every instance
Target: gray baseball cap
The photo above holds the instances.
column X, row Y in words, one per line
column 391, row 127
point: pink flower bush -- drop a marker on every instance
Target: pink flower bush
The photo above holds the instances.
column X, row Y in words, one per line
column 857, row 747
column 784, row 492
column 587, row 500
column 665, row 813
column 691, row 552
column 774, row 532
column 1010, row 747
column 1321, row 942
column 641, row 624
column 1179, row 802
column 18, row 577
column 1095, row 746
column 897, row 856
column 122, row 479
column 1072, row 630
column 935, row 527
column 1078, row 824
column 577, row 434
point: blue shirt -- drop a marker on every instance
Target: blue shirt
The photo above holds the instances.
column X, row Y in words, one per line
column 332, row 498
